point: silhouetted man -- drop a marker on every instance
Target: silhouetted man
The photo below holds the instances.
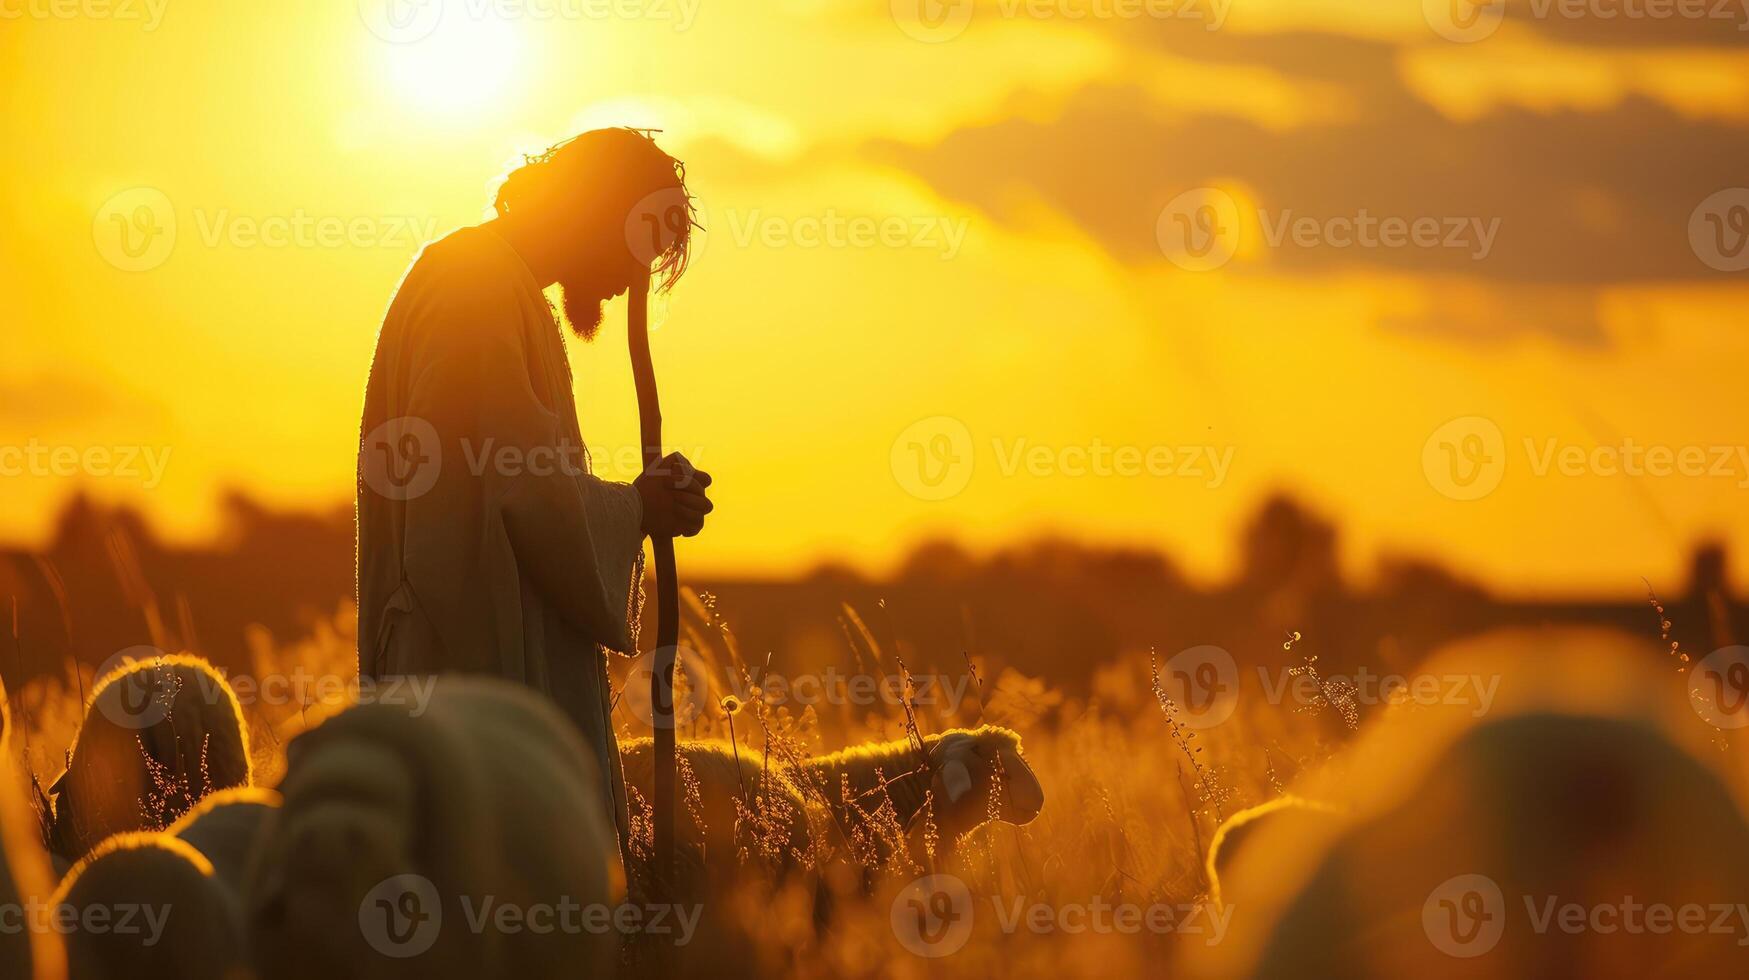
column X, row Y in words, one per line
column 484, row 544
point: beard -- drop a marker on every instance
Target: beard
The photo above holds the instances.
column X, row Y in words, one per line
column 583, row 304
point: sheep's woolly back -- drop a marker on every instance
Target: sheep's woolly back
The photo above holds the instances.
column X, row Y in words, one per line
column 226, row 827
column 1551, row 807
column 147, row 905
column 158, row 736
column 736, row 805
column 866, row 778
column 875, row 771
column 1231, row 836
column 489, row 792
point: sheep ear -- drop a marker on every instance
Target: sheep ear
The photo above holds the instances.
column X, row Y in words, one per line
column 956, row 780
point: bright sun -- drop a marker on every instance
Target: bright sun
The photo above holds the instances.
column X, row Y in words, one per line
column 464, row 63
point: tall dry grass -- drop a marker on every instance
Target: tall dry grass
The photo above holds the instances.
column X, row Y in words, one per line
column 1134, row 794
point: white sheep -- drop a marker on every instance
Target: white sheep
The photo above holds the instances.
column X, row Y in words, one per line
column 226, row 828
column 393, row 817
column 956, row 773
column 1549, row 809
column 747, row 806
column 860, row 796
column 26, row 879
column 144, row 904
column 158, row 735
column 1286, row 814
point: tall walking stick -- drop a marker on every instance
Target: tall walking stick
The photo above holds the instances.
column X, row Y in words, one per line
column 667, row 599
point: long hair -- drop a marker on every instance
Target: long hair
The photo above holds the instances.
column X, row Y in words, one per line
column 605, row 174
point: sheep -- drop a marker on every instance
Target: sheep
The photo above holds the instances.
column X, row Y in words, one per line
column 954, row 774
column 1539, row 808
column 225, row 828
column 145, row 904
column 159, row 734
column 867, row 792
column 746, row 806
column 393, row 818
column 26, row 879
column 1284, row 814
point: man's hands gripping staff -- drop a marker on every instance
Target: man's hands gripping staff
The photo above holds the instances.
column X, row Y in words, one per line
column 673, row 492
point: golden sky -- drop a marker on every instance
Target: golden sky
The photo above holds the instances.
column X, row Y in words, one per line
column 1114, row 268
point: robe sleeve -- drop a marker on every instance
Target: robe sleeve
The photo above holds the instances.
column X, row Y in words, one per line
column 476, row 386
column 616, row 518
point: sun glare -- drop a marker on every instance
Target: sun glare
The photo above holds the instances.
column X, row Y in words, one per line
column 466, row 62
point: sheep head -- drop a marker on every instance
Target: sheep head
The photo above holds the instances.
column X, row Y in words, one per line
column 345, row 826
column 192, row 928
column 964, row 766
column 158, row 735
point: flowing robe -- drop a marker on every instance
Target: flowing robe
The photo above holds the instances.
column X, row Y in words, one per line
column 484, row 544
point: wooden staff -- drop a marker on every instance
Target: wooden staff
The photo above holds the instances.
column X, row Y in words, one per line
column 667, row 598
